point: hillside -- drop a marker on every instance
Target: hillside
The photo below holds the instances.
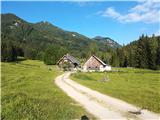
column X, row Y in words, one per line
column 107, row 41
column 38, row 36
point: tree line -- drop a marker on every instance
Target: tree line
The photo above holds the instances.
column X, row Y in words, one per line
column 143, row 53
column 11, row 49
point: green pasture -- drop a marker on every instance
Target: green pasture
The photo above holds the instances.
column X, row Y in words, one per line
column 140, row 87
column 29, row 93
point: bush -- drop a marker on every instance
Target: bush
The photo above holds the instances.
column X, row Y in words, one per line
column 67, row 66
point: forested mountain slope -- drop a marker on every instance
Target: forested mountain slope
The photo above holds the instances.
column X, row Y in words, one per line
column 47, row 42
column 32, row 39
column 107, row 41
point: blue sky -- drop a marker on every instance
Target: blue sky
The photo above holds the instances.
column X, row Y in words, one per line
column 121, row 21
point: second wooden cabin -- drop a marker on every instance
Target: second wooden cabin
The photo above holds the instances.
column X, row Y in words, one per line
column 95, row 64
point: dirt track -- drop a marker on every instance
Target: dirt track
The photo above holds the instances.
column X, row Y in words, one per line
column 100, row 105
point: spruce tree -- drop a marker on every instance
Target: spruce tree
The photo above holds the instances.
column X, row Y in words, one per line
column 141, row 54
column 152, row 52
column 158, row 54
column 115, row 60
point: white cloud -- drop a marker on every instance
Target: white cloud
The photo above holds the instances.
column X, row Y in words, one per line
column 146, row 11
column 110, row 12
column 157, row 33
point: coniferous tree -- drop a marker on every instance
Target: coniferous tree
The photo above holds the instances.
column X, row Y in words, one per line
column 158, row 53
column 93, row 49
column 152, row 52
column 158, row 58
column 115, row 60
column 8, row 52
column 141, row 55
column 125, row 64
column 131, row 57
column 121, row 56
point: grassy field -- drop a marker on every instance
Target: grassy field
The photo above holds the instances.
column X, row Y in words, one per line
column 136, row 86
column 29, row 92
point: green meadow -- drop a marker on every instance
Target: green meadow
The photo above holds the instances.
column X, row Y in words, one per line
column 139, row 87
column 29, row 92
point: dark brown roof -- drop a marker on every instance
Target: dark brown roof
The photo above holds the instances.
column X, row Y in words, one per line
column 71, row 58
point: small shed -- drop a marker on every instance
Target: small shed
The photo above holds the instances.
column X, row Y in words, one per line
column 70, row 61
column 95, row 64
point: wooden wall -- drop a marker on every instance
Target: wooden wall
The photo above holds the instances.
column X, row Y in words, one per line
column 92, row 63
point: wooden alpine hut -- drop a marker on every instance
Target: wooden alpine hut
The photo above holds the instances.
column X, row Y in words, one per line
column 68, row 61
column 95, row 64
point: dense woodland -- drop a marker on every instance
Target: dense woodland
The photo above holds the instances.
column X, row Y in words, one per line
column 48, row 43
column 143, row 53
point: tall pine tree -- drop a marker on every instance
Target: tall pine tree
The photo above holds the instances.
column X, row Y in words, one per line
column 152, row 45
column 141, row 54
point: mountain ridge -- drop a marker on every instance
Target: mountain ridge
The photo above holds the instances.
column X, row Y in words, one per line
column 39, row 36
column 45, row 25
column 107, row 40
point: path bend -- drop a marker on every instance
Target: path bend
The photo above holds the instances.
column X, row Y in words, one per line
column 103, row 107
